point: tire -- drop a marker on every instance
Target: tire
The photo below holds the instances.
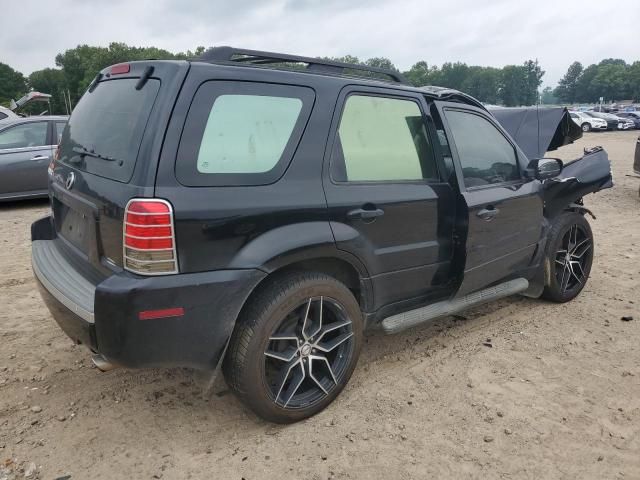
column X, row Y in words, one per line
column 586, row 127
column 567, row 274
column 274, row 362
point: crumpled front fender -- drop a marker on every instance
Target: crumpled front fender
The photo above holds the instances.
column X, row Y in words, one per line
column 588, row 174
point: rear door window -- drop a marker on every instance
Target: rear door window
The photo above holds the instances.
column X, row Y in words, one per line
column 241, row 133
column 109, row 121
column 32, row 134
column 59, row 129
column 382, row 139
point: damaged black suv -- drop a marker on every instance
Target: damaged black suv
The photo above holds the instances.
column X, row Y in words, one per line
column 260, row 211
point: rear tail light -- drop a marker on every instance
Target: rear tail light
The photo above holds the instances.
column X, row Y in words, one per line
column 149, row 240
column 54, row 159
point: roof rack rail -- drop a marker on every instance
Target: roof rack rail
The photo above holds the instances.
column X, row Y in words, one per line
column 315, row 65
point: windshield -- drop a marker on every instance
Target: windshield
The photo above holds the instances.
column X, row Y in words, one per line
column 104, row 132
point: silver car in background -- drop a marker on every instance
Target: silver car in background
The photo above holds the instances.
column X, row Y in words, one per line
column 26, row 148
column 7, row 115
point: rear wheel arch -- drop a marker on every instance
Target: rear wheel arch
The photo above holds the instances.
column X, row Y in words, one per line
column 351, row 274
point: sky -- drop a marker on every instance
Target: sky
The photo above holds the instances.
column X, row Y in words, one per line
column 487, row 33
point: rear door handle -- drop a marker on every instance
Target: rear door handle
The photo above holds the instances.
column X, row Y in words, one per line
column 488, row 214
column 40, row 157
column 365, row 214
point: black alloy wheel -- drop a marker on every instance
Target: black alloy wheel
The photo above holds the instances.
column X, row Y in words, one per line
column 569, row 256
column 294, row 346
column 308, row 353
column 572, row 258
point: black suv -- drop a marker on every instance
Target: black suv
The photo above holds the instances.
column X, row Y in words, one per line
column 260, row 211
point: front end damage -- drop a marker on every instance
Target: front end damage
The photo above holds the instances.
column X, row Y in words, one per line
column 588, row 174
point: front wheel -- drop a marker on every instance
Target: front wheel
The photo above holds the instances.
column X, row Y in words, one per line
column 295, row 347
column 586, row 127
column 569, row 256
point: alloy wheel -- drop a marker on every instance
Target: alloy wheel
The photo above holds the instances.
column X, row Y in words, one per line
column 307, row 355
column 572, row 257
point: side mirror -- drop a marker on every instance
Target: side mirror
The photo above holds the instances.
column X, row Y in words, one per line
column 544, row 168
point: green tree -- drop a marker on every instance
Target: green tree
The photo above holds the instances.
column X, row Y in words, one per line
column 451, row 75
column 345, row 59
column 610, row 82
column 567, row 89
column 584, row 92
column 13, row 85
column 533, row 80
column 381, row 62
column 81, row 64
column 483, row 83
column 420, row 74
column 633, row 80
column 51, row 81
column 548, row 96
column 512, row 85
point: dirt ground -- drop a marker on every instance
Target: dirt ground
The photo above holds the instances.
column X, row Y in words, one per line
column 557, row 396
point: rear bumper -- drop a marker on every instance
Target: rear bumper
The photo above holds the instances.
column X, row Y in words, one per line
column 103, row 312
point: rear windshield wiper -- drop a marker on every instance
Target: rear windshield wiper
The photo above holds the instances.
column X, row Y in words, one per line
column 83, row 152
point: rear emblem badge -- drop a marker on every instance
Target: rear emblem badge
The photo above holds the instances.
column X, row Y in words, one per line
column 71, row 178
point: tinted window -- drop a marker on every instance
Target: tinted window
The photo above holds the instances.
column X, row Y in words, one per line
column 33, row 134
column 3, row 116
column 382, row 139
column 241, row 133
column 486, row 157
column 110, row 121
column 59, row 129
column 573, row 115
column 247, row 133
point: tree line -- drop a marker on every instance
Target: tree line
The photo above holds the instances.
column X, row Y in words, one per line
column 511, row 85
column 612, row 79
column 77, row 68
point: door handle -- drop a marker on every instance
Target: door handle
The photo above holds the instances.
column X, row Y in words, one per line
column 488, row 213
column 40, row 157
column 365, row 214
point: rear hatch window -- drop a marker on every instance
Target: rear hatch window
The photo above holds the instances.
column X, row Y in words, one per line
column 241, row 133
column 105, row 131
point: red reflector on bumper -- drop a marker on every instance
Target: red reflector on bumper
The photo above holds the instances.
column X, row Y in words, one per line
column 164, row 313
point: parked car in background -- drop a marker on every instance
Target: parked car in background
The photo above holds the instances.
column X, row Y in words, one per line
column 631, row 116
column 587, row 122
column 27, row 146
column 613, row 122
column 624, row 123
column 7, row 115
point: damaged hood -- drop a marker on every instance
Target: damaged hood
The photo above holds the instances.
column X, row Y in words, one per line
column 537, row 130
column 588, row 174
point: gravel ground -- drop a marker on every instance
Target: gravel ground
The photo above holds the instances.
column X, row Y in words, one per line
column 557, row 395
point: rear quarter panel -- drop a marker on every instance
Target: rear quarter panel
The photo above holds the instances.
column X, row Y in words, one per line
column 260, row 226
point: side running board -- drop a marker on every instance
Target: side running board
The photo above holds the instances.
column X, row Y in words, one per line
column 402, row 321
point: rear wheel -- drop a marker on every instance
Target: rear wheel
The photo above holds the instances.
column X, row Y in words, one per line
column 294, row 347
column 586, row 127
column 569, row 257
